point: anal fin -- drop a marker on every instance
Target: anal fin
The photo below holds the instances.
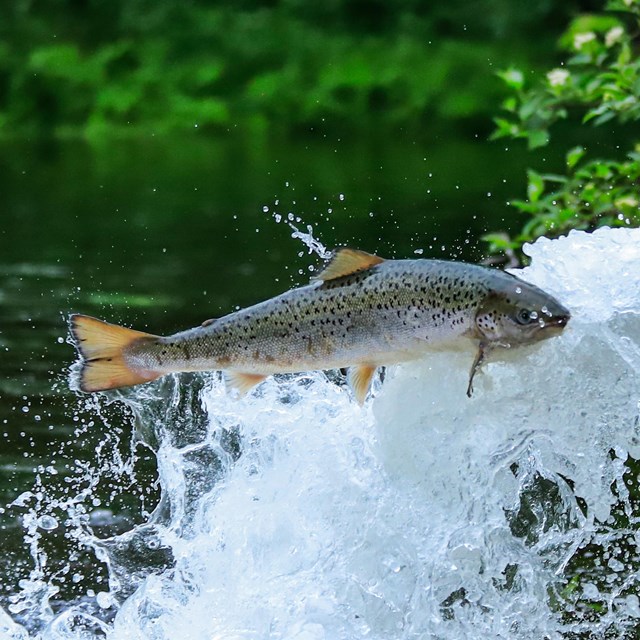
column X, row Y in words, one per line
column 243, row 382
column 359, row 379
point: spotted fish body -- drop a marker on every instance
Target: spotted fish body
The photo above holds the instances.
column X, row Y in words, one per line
column 393, row 311
column 361, row 312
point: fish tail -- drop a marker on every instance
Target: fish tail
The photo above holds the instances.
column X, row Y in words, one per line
column 102, row 347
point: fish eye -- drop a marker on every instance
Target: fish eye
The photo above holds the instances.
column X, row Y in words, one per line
column 524, row 316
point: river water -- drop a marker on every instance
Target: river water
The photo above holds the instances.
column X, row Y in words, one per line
column 173, row 510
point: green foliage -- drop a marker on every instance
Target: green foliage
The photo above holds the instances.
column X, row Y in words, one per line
column 591, row 194
column 598, row 84
column 100, row 68
column 601, row 77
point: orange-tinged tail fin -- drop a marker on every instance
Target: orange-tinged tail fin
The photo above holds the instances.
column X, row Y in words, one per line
column 102, row 348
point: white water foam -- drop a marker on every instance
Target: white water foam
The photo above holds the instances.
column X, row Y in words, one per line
column 295, row 514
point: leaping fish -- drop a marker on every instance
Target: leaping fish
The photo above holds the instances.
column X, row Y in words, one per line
column 361, row 312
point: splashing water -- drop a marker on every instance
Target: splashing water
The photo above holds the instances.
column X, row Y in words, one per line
column 307, row 238
column 295, row 514
column 312, row 243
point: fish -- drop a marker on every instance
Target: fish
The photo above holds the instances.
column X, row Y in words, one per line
column 360, row 312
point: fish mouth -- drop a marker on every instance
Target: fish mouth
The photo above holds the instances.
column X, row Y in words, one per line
column 558, row 322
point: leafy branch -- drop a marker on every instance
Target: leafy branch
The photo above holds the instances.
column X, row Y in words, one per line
column 600, row 82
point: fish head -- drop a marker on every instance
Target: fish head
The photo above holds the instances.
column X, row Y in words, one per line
column 517, row 312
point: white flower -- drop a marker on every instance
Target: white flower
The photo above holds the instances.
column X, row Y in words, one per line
column 628, row 201
column 581, row 39
column 558, row 77
column 613, row 35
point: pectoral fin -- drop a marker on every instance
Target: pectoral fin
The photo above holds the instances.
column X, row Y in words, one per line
column 359, row 379
column 243, row 382
column 483, row 350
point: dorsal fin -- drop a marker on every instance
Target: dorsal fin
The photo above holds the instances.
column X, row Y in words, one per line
column 344, row 262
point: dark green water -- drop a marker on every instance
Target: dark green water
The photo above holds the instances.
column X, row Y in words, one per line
column 162, row 234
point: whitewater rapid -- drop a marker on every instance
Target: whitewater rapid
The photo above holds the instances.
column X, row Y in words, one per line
column 295, row 514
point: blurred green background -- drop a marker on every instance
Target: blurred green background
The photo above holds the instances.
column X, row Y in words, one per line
column 96, row 68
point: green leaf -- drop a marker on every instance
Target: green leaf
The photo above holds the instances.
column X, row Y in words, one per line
column 524, row 206
column 535, row 187
column 532, row 106
column 605, row 117
column 554, row 177
column 510, row 104
column 596, row 606
column 499, row 241
column 513, row 78
column 604, row 170
column 571, row 586
column 505, row 129
column 574, row 156
column 538, row 138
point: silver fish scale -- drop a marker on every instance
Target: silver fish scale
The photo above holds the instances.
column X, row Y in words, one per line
column 391, row 312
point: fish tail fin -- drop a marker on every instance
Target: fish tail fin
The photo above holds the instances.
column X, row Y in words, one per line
column 102, row 348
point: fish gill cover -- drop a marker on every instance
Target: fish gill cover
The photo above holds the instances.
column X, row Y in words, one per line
column 293, row 513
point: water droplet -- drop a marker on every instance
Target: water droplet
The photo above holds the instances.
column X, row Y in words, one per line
column 47, row 523
column 22, row 499
column 104, row 600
